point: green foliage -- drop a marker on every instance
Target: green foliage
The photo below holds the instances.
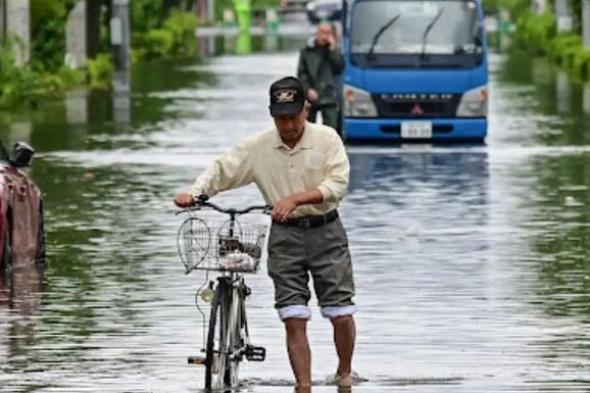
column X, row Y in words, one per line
column 255, row 5
column 576, row 8
column 539, row 34
column 16, row 83
column 100, row 71
column 515, row 7
column 581, row 63
column 536, row 31
column 24, row 84
column 157, row 43
column 265, row 4
column 161, row 30
column 176, row 38
column 146, row 15
column 182, row 25
column 562, row 47
column 220, row 6
column 71, row 77
column 48, row 21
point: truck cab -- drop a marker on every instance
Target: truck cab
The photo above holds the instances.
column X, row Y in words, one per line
column 415, row 71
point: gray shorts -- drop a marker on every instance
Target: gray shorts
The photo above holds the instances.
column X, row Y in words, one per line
column 296, row 253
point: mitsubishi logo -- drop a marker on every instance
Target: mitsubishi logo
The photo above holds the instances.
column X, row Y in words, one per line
column 417, row 110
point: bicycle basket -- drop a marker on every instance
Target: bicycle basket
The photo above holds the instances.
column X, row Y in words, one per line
column 222, row 246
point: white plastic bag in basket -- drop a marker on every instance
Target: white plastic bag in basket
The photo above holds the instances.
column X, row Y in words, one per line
column 238, row 261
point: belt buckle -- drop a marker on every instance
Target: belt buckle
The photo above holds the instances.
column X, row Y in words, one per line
column 305, row 223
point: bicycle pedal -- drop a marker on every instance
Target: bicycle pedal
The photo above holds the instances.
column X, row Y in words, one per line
column 198, row 360
column 255, row 354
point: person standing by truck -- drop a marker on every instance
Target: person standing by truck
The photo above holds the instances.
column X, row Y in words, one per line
column 319, row 69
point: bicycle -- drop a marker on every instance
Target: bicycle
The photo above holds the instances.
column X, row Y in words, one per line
column 231, row 249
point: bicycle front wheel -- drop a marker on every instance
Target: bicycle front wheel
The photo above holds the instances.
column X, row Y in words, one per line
column 224, row 339
column 236, row 338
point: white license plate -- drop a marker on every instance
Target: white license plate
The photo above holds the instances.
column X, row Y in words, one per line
column 416, row 130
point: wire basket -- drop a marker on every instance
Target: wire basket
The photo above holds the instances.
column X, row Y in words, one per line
column 220, row 246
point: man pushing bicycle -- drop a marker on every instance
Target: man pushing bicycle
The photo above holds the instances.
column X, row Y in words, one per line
column 302, row 170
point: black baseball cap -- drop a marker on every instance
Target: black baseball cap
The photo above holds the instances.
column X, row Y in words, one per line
column 287, row 97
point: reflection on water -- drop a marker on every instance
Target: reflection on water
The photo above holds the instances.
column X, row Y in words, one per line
column 122, row 96
column 20, row 300
column 471, row 263
column 243, row 42
column 563, row 92
column 76, row 103
column 563, row 245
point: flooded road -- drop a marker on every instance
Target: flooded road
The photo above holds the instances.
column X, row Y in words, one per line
column 472, row 263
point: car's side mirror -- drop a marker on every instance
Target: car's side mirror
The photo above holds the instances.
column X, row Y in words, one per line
column 22, row 155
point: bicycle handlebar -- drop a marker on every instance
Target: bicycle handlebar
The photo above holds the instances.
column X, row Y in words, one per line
column 232, row 211
column 201, row 202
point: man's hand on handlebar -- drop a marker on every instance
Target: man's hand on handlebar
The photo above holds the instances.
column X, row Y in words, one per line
column 184, row 200
column 187, row 200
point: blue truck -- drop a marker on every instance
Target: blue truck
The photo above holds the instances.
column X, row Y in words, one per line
column 416, row 70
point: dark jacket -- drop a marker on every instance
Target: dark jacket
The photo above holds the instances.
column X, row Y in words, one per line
column 320, row 69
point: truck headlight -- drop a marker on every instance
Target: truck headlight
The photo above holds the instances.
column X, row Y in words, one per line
column 358, row 103
column 474, row 103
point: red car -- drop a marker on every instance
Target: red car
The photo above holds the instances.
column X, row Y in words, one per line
column 22, row 238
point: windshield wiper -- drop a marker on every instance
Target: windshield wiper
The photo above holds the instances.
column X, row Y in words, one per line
column 380, row 33
column 427, row 30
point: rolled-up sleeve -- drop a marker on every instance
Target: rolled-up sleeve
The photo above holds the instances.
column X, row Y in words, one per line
column 335, row 182
column 231, row 170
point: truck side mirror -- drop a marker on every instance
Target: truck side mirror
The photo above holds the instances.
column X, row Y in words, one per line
column 478, row 32
column 478, row 41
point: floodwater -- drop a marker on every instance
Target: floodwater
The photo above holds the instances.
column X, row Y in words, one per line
column 471, row 263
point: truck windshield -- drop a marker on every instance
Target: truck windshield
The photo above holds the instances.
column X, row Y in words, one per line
column 426, row 33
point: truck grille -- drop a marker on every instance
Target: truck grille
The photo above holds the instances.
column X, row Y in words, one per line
column 416, row 105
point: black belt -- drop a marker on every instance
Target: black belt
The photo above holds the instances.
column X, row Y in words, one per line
column 310, row 221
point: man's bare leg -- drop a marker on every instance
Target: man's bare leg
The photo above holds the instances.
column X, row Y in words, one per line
column 299, row 352
column 344, row 338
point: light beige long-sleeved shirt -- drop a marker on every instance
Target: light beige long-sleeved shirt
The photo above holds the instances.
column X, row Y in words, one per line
column 318, row 161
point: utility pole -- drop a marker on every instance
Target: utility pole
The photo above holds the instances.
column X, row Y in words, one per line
column 93, row 15
column 586, row 22
column 565, row 22
column 120, row 34
column 2, row 20
column 17, row 25
column 76, row 36
column 539, row 6
column 121, row 43
column 210, row 11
